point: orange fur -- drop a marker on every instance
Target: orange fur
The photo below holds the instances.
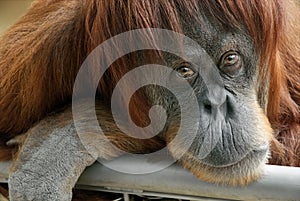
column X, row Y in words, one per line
column 40, row 56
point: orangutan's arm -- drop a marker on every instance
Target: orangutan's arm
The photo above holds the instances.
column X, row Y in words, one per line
column 49, row 162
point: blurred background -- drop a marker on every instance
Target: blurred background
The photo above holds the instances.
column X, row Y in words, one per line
column 11, row 10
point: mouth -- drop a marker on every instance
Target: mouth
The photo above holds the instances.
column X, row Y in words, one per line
column 238, row 173
column 259, row 152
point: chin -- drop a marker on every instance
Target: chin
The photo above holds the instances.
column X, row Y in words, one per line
column 240, row 173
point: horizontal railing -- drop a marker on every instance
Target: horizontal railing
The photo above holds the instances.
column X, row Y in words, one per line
column 278, row 183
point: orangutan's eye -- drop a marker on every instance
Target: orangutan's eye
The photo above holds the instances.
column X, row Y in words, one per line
column 230, row 63
column 185, row 71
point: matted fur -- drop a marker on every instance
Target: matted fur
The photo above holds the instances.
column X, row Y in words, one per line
column 40, row 56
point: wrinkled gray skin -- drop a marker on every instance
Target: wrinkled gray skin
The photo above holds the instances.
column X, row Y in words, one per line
column 49, row 165
column 230, row 114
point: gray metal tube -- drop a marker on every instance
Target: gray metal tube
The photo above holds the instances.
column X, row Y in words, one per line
column 278, row 183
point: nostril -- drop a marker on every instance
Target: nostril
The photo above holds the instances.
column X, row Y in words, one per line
column 207, row 107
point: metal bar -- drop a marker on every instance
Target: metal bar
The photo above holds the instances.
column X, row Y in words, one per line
column 4, row 169
column 2, row 198
column 147, row 194
column 126, row 197
column 278, row 182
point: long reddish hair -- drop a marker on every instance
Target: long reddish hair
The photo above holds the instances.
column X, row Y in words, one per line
column 62, row 30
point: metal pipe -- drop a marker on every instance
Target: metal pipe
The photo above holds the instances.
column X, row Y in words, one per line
column 278, row 182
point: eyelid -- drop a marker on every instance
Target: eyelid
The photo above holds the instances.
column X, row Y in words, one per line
column 177, row 64
column 232, row 69
column 184, row 63
column 181, row 64
column 224, row 52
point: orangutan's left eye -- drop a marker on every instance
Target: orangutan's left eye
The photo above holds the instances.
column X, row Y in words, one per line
column 230, row 63
column 185, row 71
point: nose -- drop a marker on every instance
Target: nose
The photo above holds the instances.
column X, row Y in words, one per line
column 216, row 104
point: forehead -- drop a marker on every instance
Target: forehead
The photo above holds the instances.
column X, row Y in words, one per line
column 215, row 38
